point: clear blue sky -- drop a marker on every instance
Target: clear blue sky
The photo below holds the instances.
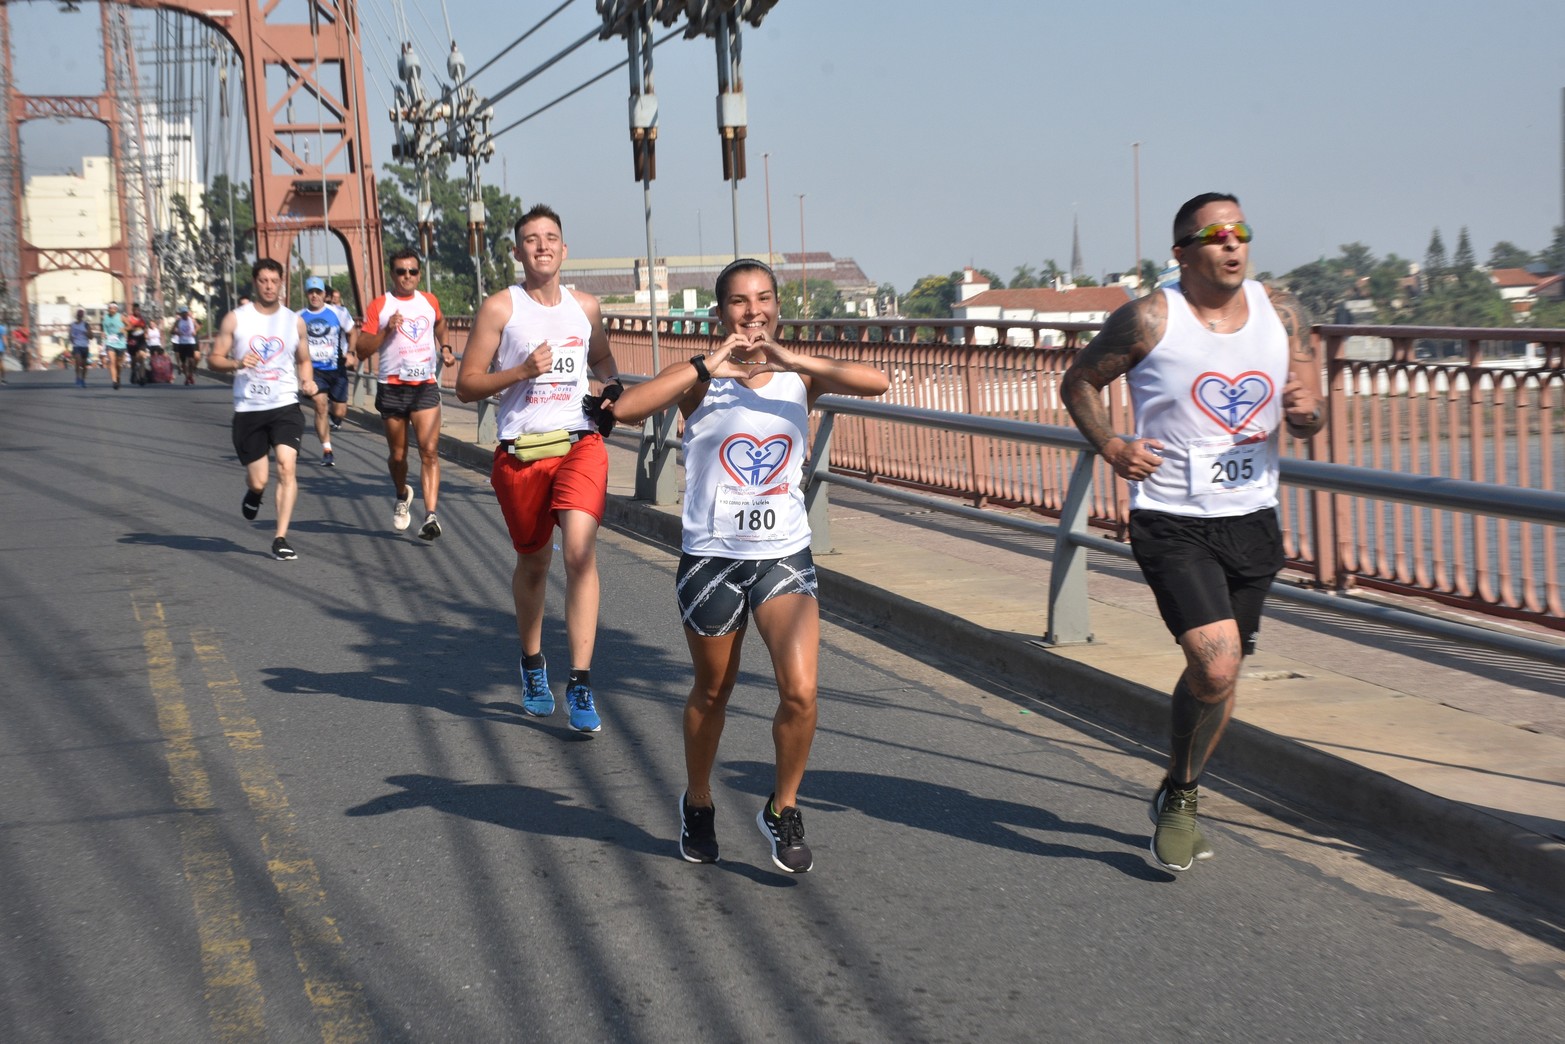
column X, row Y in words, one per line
column 926, row 136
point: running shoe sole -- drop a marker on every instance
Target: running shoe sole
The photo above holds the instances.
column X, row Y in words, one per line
column 430, row 530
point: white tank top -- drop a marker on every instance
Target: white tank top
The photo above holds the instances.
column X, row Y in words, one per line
column 744, row 459
column 550, row 401
column 275, row 338
column 1215, row 401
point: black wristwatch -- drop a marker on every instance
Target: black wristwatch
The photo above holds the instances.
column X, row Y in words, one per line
column 699, row 362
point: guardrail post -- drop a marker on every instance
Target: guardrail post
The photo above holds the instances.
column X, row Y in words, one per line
column 655, row 480
column 817, row 505
column 488, row 421
column 1069, row 622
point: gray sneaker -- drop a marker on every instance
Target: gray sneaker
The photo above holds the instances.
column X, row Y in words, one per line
column 1177, row 842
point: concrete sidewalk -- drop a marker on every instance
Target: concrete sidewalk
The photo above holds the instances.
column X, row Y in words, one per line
column 1459, row 752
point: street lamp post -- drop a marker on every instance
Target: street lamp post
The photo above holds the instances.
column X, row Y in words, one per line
column 766, row 164
column 804, row 265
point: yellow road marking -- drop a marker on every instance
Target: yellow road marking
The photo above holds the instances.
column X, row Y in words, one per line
column 233, row 990
column 318, row 948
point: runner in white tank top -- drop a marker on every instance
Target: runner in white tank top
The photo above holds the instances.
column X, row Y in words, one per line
column 746, row 542
column 1215, row 366
column 265, row 347
column 535, row 346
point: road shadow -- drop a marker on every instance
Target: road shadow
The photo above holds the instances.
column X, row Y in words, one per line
column 534, row 810
column 191, row 542
column 955, row 813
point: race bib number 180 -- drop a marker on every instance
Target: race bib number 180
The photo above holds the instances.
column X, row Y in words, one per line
column 751, row 512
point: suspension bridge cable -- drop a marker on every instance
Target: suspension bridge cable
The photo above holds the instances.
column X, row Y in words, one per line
column 539, row 70
column 513, row 44
column 581, row 87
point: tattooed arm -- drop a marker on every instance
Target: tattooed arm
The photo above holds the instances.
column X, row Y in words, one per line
column 1304, row 409
column 1124, row 341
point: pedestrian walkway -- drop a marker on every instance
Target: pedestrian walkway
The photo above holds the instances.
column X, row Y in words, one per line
column 1457, row 750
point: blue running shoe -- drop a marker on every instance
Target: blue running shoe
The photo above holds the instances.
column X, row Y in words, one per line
column 584, row 717
column 537, row 699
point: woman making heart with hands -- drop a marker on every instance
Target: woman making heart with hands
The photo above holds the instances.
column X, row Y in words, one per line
column 746, row 541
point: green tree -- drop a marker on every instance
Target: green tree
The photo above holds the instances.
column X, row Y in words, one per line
column 1321, row 286
column 1357, row 259
column 932, row 297
column 231, row 229
column 451, row 265
column 825, row 301
column 1548, row 315
column 1508, row 255
column 1554, row 257
column 1049, row 272
column 1148, row 270
column 1026, row 278
column 1386, row 285
column 1463, row 260
column 1434, row 258
column 1086, row 280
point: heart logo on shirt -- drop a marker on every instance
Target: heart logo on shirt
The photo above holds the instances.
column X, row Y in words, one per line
column 1232, row 401
column 414, row 329
column 266, row 347
column 755, row 461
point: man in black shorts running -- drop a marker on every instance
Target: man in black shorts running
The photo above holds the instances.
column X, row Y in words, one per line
column 408, row 331
column 265, row 347
column 1217, row 366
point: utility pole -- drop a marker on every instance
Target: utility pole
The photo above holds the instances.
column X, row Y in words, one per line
column 1135, row 162
column 766, row 163
column 632, row 19
column 468, row 136
column 418, row 143
column 804, row 264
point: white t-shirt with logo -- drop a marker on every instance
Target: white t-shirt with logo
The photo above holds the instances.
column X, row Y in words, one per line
column 275, row 339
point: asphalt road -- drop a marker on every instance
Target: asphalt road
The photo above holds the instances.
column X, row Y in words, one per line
column 258, row 800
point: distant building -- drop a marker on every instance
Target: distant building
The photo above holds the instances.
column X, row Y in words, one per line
column 621, row 276
column 1073, row 304
column 1518, row 288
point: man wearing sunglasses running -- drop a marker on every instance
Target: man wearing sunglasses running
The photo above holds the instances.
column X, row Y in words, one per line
column 1217, row 364
column 408, row 329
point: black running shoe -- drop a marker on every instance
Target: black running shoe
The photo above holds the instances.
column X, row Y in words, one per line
column 335, row 423
column 785, row 831
column 282, row 551
column 697, row 832
column 251, row 505
column 430, row 530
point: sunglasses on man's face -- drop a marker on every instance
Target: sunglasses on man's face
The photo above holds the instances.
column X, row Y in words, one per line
column 1218, row 232
column 404, row 271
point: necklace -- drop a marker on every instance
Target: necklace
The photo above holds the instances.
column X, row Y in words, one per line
column 1211, row 324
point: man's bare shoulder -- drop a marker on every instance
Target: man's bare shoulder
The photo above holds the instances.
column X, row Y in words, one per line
column 1137, row 326
column 588, row 302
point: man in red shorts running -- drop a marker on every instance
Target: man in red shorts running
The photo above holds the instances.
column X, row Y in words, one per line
column 551, row 467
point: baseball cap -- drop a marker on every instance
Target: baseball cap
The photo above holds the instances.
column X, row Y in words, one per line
column 184, row 309
column 314, row 283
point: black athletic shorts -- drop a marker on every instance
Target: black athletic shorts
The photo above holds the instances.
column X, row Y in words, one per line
column 186, row 352
column 404, row 400
column 716, row 595
column 1203, row 570
column 257, row 431
column 332, row 383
